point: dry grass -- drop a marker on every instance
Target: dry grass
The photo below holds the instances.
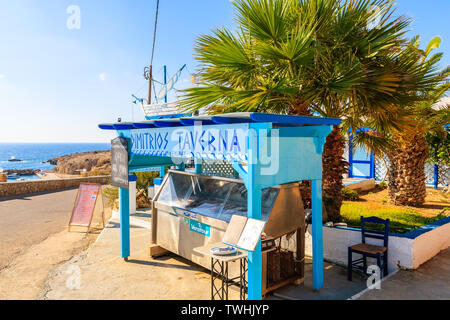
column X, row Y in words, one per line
column 403, row 219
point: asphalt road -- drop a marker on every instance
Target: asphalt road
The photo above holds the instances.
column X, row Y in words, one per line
column 28, row 220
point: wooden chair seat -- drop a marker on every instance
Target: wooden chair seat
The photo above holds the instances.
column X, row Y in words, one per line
column 368, row 248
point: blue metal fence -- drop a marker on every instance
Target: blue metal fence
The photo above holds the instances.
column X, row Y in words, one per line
column 365, row 165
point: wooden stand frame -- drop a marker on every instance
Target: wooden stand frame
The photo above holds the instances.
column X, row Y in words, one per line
column 88, row 228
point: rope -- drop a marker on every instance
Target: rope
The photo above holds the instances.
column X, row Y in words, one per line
column 154, row 33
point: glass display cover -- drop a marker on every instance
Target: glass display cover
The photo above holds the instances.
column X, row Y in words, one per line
column 212, row 197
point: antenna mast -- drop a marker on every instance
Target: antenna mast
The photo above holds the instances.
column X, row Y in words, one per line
column 151, row 61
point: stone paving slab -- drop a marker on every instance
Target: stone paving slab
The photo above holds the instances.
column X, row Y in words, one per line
column 430, row 282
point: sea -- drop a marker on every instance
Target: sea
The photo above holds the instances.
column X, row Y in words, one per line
column 35, row 155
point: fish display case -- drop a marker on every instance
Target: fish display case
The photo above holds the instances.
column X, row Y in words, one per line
column 192, row 210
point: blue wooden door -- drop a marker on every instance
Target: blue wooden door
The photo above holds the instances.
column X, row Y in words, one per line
column 362, row 163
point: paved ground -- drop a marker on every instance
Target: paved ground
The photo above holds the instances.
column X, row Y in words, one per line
column 29, row 220
column 336, row 285
column 34, row 241
column 430, row 282
column 104, row 275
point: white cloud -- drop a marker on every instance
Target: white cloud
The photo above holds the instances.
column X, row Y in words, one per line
column 2, row 76
column 102, row 76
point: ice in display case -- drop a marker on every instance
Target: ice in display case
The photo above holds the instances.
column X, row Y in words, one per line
column 192, row 210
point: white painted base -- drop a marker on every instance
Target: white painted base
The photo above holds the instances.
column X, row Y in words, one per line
column 403, row 253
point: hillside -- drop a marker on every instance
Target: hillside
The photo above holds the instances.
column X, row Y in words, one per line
column 91, row 161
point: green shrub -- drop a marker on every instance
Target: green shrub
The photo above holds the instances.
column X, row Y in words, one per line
column 382, row 185
column 111, row 194
column 350, row 195
column 96, row 173
column 145, row 179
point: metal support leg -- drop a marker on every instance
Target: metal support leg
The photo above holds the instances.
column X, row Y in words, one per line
column 124, row 207
column 350, row 265
column 316, row 201
column 379, row 264
column 243, row 279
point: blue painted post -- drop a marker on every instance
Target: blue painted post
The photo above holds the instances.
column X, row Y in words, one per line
column 350, row 158
column 198, row 166
column 436, row 176
column 254, row 211
column 254, row 258
column 317, row 238
column 372, row 165
column 124, row 205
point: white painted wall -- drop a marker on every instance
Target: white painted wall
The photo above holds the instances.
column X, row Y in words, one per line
column 429, row 244
column 403, row 252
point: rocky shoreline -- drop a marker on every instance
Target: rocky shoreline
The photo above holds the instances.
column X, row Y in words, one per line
column 99, row 161
column 22, row 172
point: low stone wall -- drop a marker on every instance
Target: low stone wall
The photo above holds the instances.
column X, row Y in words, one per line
column 11, row 189
column 406, row 251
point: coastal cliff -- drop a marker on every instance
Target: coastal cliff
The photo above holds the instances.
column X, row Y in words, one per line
column 96, row 161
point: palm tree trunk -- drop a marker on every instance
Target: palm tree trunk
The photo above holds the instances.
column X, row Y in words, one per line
column 406, row 185
column 334, row 167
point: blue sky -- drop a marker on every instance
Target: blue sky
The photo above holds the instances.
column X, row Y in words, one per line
column 57, row 84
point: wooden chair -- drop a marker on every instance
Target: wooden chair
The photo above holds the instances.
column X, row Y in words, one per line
column 369, row 250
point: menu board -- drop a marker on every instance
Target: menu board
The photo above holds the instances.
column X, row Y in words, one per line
column 251, row 234
column 119, row 163
column 243, row 232
column 84, row 205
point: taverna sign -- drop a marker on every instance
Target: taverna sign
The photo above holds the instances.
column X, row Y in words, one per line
column 213, row 142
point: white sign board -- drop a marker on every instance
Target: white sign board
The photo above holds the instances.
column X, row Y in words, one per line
column 251, row 234
column 243, row 233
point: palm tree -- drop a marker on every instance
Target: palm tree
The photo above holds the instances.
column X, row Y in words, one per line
column 312, row 57
column 410, row 152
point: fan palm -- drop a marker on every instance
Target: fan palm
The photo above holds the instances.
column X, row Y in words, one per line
column 312, row 57
column 406, row 185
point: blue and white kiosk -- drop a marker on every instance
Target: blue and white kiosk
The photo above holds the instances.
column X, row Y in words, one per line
column 265, row 150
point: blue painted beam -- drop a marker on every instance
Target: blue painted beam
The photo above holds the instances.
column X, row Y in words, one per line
column 167, row 123
column 317, row 237
column 123, row 126
column 124, row 207
column 106, row 126
column 144, row 125
column 288, row 119
column 194, row 120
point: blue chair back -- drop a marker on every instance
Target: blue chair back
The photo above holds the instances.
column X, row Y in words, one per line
column 381, row 235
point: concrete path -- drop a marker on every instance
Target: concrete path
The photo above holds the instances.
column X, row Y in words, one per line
column 336, row 286
column 430, row 282
column 29, row 220
column 103, row 274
